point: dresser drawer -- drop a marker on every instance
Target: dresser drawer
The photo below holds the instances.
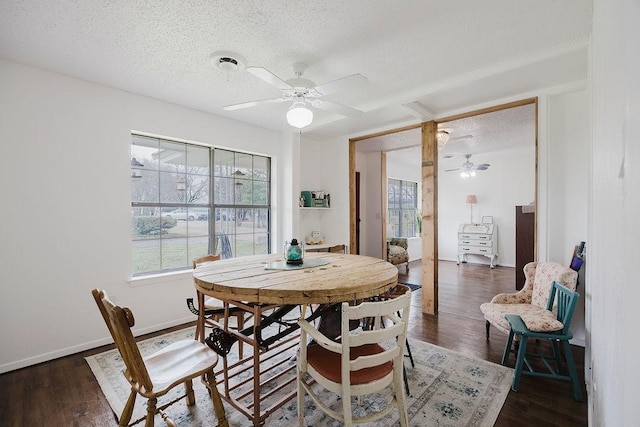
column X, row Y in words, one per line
column 475, row 236
column 471, row 242
column 479, row 250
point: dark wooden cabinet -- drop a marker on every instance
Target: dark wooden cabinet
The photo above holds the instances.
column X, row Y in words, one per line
column 525, row 240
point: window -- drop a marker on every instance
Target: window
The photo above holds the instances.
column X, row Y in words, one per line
column 171, row 204
column 402, row 204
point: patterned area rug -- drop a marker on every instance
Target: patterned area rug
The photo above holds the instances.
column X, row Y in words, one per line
column 446, row 389
column 411, row 286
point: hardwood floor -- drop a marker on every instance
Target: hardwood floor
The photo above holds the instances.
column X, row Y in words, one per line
column 64, row 392
column 460, row 326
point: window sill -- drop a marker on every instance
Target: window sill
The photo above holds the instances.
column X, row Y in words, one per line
column 155, row 279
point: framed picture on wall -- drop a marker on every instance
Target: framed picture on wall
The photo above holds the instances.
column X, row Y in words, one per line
column 487, row 219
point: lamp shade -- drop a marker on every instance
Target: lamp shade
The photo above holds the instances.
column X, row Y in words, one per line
column 471, row 198
column 299, row 116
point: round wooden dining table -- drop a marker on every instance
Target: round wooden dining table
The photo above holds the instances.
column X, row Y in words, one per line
column 344, row 277
column 266, row 284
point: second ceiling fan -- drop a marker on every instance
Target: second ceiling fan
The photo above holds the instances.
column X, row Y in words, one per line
column 300, row 92
column 469, row 168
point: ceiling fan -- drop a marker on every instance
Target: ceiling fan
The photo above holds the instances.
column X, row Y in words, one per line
column 300, row 92
column 469, row 168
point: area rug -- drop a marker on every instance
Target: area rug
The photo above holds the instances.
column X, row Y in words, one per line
column 411, row 286
column 446, row 389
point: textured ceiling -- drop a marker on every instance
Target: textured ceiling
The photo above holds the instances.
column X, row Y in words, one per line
column 435, row 56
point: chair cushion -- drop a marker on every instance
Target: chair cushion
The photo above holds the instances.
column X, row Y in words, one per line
column 397, row 255
column 542, row 321
column 536, row 318
column 328, row 363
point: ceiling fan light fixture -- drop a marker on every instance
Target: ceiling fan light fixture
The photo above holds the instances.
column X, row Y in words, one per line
column 299, row 115
column 443, row 137
column 229, row 62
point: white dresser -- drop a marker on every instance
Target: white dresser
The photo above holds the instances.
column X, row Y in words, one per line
column 478, row 239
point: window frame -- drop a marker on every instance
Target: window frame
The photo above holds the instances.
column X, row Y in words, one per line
column 398, row 229
column 159, row 207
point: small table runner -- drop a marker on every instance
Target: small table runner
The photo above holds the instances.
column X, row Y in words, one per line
column 307, row 263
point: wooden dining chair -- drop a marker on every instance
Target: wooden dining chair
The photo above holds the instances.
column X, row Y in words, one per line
column 214, row 308
column 155, row 375
column 361, row 363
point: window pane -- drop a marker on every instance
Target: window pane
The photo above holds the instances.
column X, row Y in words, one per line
column 243, row 191
column 394, row 194
column 223, row 163
column 197, row 189
column 174, row 254
column 198, row 160
column 260, row 193
column 261, row 244
column 261, row 220
column 261, row 169
column 244, row 244
column 172, row 156
column 146, row 256
column 198, row 247
column 224, row 191
column 145, row 185
column 243, row 166
column 409, row 190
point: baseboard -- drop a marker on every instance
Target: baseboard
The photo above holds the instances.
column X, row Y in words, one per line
column 45, row 357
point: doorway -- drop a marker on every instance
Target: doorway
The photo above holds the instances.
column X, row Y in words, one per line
column 431, row 181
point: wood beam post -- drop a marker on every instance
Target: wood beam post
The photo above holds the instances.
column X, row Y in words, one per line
column 429, row 218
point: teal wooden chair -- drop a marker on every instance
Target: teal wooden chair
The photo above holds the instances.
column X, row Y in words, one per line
column 553, row 325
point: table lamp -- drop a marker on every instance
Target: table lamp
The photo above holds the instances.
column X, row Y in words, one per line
column 471, row 199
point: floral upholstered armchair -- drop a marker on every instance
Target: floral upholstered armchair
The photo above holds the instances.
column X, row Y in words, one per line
column 397, row 251
column 531, row 301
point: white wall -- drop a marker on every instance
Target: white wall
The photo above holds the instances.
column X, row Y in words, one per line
column 66, row 221
column 568, row 166
column 612, row 288
column 509, row 182
column 325, row 166
column 369, row 165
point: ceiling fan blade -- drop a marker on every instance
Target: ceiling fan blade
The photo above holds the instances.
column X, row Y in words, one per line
column 337, row 108
column 253, row 104
column 451, row 170
column 460, row 138
column 345, row 83
column 269, row 77
column 482, row 167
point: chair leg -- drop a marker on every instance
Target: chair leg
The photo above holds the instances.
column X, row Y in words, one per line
column 346, row 409
column 191, row 396
column 216, row 400
column 557, row 356
column 240, row 321
column 519, row 362
column 400, row 400
column 125, row 417
column 413, row 365
column 507, row 348
column 300, row 397
column 151, row 411
column 405, row 380
column 577, row 392
column 487, row 326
